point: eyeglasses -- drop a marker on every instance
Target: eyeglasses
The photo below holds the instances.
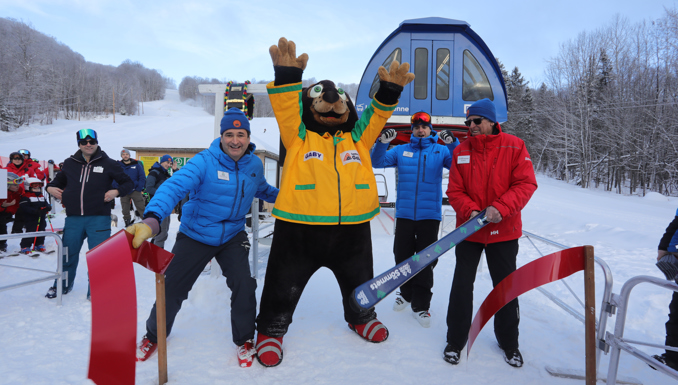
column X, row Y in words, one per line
column 84, row 133
column 85, row 142
column 423, row 116
column 475, row 121
column 17, row 158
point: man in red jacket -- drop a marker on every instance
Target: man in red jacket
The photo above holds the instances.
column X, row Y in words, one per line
column 490, row 170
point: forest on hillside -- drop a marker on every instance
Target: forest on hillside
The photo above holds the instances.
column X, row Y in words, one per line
column 42, row 79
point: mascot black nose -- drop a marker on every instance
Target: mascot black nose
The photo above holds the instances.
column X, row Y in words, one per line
column 331, row 96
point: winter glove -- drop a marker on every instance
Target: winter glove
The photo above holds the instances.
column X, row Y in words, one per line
column 142, row 231
column 285, row 54
column 387, row 135
column 447, row 137
column 397, row 73
column 669, row 266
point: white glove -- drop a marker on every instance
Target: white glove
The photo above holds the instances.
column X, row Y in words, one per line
column 447, row 137
column 387, row 135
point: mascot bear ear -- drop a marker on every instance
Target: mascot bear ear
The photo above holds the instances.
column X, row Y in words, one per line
column 285, row 55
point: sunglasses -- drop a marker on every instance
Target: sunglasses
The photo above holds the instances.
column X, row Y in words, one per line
column 475, row 121
column 85, row 142
column 423, row 116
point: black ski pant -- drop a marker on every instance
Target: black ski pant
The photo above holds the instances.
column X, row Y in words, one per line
column 412, row 237
column 190, row 258
column 672, row 328
column 33, row 224
column 501, row 261
column 18, row 226
column 5, row 218
column 297, row 252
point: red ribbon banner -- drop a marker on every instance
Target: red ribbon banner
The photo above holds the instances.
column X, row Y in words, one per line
column 546, row 269
column 114, row 305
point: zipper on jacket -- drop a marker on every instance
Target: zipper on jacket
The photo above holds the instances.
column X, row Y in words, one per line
column 237, row 183
column 338, row 179
column 84, row 172
column 416, row 188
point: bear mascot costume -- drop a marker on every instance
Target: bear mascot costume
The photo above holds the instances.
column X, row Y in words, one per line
column 328, row 194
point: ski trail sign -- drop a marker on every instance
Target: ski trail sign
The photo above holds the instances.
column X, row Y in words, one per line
column 373, row 291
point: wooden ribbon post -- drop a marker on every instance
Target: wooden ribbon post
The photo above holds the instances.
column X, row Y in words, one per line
column 160, row 312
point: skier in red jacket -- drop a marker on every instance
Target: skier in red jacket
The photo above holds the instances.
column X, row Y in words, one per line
column 490, row 170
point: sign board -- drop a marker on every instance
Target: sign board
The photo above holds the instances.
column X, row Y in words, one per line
column 181, row 161
column 148, row 161
column 3, row 184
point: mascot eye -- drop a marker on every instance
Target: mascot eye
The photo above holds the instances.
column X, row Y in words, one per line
column 341, row 93
column 315, row 91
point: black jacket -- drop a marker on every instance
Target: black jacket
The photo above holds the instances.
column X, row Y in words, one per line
column 85, row 184
column 156, row 176
column 32, row 206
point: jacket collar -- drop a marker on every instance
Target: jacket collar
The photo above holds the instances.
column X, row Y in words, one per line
column 216, row 151
column 418, row 142
column 98, row 154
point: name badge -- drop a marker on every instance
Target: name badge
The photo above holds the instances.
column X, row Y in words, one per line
column 408, row 154
column 464, row 159
column 98, row 169
column 223, row 175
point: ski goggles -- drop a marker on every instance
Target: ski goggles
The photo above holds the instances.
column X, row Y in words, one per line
column 18, row 180
column 87, row 132
column 34, row 185
column 16, row 158
column 475, row 121
column 421, row 116
column 25, row 153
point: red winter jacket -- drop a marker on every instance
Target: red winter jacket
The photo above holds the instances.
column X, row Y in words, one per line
column 12, row 196
column 492, row 170
column 27, row 169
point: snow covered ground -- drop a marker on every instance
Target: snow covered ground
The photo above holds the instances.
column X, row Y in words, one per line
column 41, row 343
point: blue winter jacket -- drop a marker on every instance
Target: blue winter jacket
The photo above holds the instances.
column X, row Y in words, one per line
column 136, row 172
column 220, row 194
column 420, row 174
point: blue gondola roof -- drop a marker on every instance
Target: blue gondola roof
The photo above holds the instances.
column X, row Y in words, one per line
column 433, row 24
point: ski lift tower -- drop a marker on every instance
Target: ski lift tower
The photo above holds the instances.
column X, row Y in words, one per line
column 239, row 95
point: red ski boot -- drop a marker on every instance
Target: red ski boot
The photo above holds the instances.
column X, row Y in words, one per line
column 246, row 353
column 269, row 350
column 373, row 331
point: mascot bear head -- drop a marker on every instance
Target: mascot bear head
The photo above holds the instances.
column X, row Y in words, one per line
column 327, row 108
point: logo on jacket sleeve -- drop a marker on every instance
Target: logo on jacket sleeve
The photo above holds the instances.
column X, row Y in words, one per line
column 350, row 156
column 313, row 155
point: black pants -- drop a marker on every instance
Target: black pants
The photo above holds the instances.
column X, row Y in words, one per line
column 297, row 252
column 412, row 237
column 672, row 328
column 190, row 258
column 5, row 218
column 32, row 225
column 501, row 261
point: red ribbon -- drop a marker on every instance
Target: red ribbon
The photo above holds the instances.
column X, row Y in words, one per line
column 546, row 269
column 114, row 305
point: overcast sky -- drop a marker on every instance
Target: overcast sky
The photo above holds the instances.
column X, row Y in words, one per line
column 228, row 39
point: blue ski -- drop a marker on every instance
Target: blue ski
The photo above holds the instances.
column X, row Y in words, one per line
column 373, row 291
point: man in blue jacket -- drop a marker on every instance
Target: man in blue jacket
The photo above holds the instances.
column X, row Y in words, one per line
column 222, row 182
column 418, row 205
column 84, row 187
column 135, row 171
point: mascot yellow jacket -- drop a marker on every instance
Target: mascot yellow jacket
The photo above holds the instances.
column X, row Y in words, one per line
column 326, row 179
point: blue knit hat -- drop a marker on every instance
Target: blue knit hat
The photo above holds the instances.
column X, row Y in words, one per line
column 484, row 108
column 165, row 158
column 235, row 119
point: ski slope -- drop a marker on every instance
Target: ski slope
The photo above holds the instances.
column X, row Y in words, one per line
column 45, row 344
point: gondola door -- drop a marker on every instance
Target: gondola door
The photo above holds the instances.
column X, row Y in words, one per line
column 432, row 90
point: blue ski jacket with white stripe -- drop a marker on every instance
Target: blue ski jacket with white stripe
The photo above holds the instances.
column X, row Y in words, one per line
column 420, row 174
column 220, row 191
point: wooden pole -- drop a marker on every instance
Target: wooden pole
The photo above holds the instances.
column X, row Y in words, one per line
column 590, row 316
column 113, row 105
column 162, row 327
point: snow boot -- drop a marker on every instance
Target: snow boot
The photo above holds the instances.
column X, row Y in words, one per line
column 269, row 350
column 25, row 250
column 451, row 355
column 513, row 357
column 246, row 353
column 664, row 359
column 146, row 349
column 400, row 303
column 40, row 248
column 423, row 317
column 373, row 331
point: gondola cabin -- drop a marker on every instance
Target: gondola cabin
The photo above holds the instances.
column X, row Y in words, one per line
column 453, row 68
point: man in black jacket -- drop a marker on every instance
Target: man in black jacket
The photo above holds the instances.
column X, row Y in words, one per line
column 157, row 175
column 84, row 188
